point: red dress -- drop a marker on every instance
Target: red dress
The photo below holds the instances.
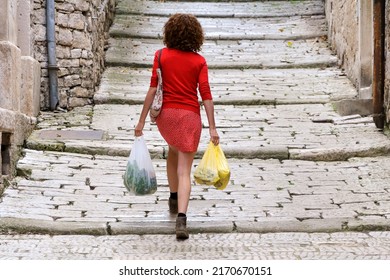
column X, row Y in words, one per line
column 184, row 75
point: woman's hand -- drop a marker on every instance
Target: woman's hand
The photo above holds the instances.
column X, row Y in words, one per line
column 138, row 129
column 145, row 110
column 214, row 137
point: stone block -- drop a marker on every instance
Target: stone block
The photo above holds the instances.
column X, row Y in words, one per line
column 348, row 107
column 8, row 21
column 10, row 64
column 1, row 164
column 16, row 127
column 7, row 120
column 50, row 227
column 24, row 27
column 343, row 33
column 26, row 126
column 139, row 227
column 30, row 88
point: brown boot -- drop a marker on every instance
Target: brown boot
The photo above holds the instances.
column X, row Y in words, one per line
column 172, row 203
column 181, row 228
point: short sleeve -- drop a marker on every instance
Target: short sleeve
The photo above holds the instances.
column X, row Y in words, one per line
column 154, row 78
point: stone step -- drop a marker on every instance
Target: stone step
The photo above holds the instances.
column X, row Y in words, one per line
column 222, row 8
column 302, row 132
column 277, row 28
column 83, row 194
column 126, row 85
column 228, row 54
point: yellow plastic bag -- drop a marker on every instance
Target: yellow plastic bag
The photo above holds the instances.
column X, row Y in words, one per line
column 213, row 168
column 223, row 169
column 206, row 173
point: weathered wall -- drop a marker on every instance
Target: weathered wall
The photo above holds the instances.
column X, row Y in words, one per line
column 342, row 16
column 81, row 30
column 387, row 75
column 350, row 34
column 19, row 83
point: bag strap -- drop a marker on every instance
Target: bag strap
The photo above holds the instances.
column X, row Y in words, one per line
column 159, row 56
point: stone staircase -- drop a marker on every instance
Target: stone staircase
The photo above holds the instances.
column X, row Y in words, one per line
column 297, row 165
column 271, row 73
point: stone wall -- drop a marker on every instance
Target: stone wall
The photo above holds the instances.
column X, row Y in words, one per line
column 387, row 69
column 342, row 17
column 81, row 33
column 19, row 83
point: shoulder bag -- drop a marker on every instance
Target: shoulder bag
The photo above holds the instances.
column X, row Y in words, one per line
column 155, row 109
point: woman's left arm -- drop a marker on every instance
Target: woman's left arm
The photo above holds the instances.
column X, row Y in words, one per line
column 145, row 110
column 205, row 92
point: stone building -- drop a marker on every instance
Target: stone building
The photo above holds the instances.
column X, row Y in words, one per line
column 20, row 75
column 78, row 38
column 359, row 32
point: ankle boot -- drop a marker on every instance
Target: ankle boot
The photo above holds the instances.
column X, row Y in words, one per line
column 181, row 228
column 172, row 203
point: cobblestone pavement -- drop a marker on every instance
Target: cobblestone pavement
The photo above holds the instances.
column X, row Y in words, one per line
column 307, row 182
column 65, row 193
column 251, row 246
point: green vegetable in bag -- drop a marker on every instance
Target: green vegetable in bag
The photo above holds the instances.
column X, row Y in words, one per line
column 140, row 177
column 138, row 180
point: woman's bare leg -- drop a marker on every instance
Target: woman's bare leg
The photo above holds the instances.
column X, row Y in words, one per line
column 172, row 179
column 172, row 169
column 184, row 166
column 184, row 190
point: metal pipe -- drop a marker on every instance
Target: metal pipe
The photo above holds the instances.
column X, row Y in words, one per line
column 379, row 64
column 51, row 51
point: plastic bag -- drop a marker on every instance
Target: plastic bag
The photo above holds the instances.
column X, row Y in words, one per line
column 140, row 177
column 223, row 169
column 213, row 168
column 206, row 173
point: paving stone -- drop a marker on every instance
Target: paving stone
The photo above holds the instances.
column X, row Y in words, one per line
column 222, row 9
column 302, row 176
column 233, row 28
column 244, row 86
column 240, row 141
column 226, row 54
column 287, row 246
column 265, row 197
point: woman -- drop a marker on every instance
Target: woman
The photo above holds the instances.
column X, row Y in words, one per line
column 184, row 73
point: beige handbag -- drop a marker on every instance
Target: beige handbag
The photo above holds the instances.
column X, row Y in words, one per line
column 155, row 109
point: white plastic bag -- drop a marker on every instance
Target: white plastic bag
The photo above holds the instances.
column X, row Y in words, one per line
column 140, row 177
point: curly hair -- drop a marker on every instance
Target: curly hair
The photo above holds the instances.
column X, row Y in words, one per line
column 183, row 32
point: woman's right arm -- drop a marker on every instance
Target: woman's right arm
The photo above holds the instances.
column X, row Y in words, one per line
column 145, row 110
column 148, row 98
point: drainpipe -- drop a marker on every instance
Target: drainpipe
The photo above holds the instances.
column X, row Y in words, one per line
column 378, row 85
column 51, row 50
